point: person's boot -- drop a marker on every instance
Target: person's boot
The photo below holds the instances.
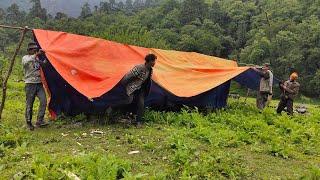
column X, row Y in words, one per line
column 137, row 122
column 30, row 126
column 41, row 124
column 109, row 111
column 111, row 119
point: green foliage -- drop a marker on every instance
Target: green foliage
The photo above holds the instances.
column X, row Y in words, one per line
column 86, row 11
column 283, row 136
column 228, row 143
column 37, row 11
column 83, row 166
column 285, row 34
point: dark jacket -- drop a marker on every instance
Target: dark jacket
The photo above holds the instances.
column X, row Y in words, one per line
column 293, row 86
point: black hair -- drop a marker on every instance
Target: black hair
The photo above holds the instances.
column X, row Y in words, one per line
column 150, row 57
column 32, row 44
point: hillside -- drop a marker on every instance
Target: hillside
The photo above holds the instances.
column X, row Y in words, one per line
column 236, row 143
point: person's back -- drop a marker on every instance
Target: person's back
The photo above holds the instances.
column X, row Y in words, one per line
column 265, row 87
column 266, row 82
column 134, row 79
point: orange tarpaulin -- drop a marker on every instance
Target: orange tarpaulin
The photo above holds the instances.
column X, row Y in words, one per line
column 94, row 66
column 187, row 74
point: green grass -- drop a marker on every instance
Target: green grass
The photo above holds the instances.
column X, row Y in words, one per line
column 235, row 143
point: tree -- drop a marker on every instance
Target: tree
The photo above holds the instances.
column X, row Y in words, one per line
column 149, row 3
column 14, row 15
column 168, row 6
column 218, row 15
column 171, row 20
column 85, row 11
column 105, row 7
column 2, row 14
column 96, row 9
column 60, row 15
column 187, row 43
column 258, row 52
column 129, row 5
column 4, row 40
column 192, row 10
column 112, row 4
column 37, row 10
column 138, row 4
column 207, row 43
column 121, row 5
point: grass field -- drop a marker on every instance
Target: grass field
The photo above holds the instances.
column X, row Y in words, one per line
column 235, row 143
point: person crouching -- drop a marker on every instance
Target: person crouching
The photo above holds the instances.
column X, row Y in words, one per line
column 289, row 91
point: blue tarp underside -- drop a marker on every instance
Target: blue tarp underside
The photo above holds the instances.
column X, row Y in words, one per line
column 67, row 100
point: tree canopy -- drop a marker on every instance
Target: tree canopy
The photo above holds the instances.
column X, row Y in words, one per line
column 284, row 33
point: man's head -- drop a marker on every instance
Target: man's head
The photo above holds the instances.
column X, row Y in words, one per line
column 266, row 66
column 150, row 60
column 32, row 48
column 294, row 76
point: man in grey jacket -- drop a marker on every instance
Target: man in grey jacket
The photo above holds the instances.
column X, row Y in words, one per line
column 34, row 88
column 265, row 89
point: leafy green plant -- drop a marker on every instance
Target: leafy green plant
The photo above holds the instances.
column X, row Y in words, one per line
column 84, row 166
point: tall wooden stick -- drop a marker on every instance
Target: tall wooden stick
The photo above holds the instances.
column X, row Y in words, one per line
column 14, row 27
column 6, row 78
column 248, row 92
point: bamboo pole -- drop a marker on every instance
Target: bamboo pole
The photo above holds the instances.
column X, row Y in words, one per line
column 14, row 27
column 6, row 78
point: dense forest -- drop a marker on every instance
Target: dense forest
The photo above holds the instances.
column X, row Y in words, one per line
column 69, row 7
column 284, row 33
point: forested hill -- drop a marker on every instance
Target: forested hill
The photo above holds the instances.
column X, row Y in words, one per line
column 284, row 33
column 69, row 7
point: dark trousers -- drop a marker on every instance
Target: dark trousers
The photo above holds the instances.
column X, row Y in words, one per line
column 285, row 102
column 33, row 91
column 139, row 104
column 262, row 99
column 134, row 101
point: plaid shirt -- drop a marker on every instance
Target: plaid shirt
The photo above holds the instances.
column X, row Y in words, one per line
column 134, row 79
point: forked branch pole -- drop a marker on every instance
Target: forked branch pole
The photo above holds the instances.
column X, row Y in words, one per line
column 12, row 61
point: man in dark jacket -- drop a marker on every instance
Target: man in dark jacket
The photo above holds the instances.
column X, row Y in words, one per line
column 136, row 85
column 289, row 90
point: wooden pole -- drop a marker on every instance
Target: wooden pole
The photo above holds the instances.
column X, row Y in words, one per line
column 6, row 78
column 14, row 27
column 248, row 92
column 267, row 17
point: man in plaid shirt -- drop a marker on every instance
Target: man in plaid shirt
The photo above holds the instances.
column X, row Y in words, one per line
column 136, row 86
